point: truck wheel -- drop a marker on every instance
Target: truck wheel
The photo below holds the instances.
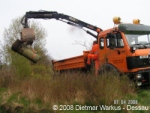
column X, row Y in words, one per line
column 109, row 69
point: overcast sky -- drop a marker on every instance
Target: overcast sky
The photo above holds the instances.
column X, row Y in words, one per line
column 61, row 37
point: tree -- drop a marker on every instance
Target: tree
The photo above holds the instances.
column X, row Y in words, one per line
column 1, row 65
column 21, row 65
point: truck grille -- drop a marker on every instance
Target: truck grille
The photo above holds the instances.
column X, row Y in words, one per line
column 138, row 62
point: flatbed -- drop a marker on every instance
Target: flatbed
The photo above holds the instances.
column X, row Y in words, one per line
column 76, row 62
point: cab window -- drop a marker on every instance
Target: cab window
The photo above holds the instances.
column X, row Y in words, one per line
column 101, row 43
column 115, row 41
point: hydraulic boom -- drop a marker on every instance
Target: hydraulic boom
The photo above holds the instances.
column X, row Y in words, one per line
column 62, row 17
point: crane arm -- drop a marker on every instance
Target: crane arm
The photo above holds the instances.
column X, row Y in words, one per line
column 62, row 17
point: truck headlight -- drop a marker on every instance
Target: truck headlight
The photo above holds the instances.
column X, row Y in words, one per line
column 139, row 83
column 138, row 76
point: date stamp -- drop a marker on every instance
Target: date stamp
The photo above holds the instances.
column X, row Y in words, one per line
column 125, row 102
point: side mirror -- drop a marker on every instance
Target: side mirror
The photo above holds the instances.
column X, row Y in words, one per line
column 133, row 48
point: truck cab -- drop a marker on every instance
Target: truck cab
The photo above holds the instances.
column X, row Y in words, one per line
column 126, row 48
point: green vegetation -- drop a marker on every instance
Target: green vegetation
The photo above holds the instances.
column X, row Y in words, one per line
column 38, row 92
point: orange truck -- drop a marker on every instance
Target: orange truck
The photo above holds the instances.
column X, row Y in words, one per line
column 124, row 48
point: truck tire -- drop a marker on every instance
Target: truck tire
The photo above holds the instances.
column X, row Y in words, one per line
column 109, row 69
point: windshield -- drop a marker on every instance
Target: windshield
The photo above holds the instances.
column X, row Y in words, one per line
column 137, row 39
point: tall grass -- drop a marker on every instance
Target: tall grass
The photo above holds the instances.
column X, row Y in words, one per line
column 43, row 90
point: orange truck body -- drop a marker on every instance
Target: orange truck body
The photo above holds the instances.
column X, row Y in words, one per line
column 124, row 58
